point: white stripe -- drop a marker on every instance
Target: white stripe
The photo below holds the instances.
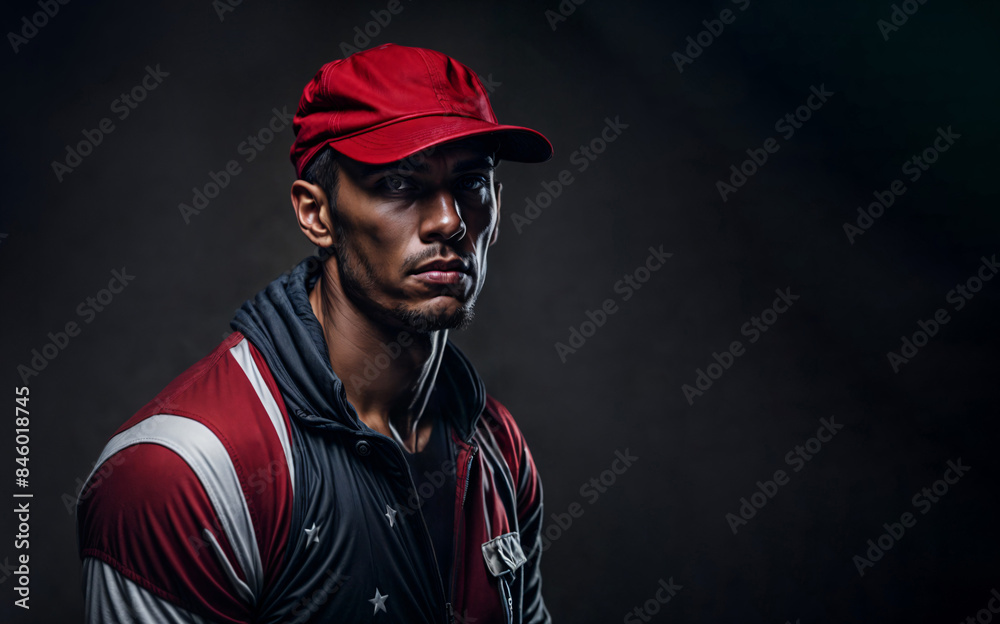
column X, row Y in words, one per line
column 241, row 353
column 197, row 445
column 227, row 567
column 110, row 597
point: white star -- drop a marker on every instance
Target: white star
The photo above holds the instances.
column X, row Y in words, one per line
column 312, row 535
column 379, row 601
column 390, row 513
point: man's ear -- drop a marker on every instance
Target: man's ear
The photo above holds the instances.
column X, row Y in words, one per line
column 496, row 228
column 312, row 210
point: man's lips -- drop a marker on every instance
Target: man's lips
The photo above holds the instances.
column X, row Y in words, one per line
column 444, row 265
column 442, row 277
column 443, row 272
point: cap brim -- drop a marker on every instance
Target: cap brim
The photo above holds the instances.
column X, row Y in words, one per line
column 405, row 138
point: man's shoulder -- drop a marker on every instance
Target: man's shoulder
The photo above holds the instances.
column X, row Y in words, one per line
column 205, row 467
column 227, row 406
column 499, row 419
column 505, row 432
column 221, row 385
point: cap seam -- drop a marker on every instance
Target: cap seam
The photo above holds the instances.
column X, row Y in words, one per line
column 326, row 94
column 435, row 82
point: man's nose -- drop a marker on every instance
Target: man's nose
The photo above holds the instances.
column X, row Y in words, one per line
column 442, row 217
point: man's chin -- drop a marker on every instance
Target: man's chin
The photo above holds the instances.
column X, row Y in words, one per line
column 428, row 321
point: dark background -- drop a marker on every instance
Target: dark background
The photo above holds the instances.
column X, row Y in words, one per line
column 665, row 517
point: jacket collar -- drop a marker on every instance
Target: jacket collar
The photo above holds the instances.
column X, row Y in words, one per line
column 280, row 323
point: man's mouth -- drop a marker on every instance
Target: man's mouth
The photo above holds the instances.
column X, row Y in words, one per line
column 442, row 277
column 443, row 272
column 455, row 264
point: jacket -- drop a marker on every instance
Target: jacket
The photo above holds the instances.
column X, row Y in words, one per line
column 249, row 490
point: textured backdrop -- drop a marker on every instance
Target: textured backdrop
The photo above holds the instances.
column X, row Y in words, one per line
column 758, row 266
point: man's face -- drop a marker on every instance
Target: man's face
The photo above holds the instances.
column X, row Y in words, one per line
column 412, row 236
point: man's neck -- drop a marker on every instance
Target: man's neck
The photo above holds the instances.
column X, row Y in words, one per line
column 389, row 392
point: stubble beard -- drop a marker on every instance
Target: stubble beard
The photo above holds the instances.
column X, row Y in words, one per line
column 357, row 279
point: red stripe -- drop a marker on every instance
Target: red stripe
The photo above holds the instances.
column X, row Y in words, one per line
column 144, row 516
column 511, row 442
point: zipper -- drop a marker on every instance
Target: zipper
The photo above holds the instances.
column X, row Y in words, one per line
column 505, row 597
column 449, row 609
column 459, row 526
column 427, row 534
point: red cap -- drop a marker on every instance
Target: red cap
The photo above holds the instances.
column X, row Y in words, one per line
column 384, row 104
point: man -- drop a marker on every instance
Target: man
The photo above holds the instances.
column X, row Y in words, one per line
column 336, row 458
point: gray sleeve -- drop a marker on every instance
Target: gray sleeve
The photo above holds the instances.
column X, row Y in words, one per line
column 113, row 599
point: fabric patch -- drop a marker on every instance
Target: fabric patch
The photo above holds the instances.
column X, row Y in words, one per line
column 503, row 554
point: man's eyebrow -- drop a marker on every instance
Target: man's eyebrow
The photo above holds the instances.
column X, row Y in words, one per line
column 419, row 166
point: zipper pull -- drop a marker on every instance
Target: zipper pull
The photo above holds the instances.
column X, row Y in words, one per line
column 451, row 613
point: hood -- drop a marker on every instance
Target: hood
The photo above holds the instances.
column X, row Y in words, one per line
column 280, row 323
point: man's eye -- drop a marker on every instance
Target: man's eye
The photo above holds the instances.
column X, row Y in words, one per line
column 472, row 183
column 395, row 183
